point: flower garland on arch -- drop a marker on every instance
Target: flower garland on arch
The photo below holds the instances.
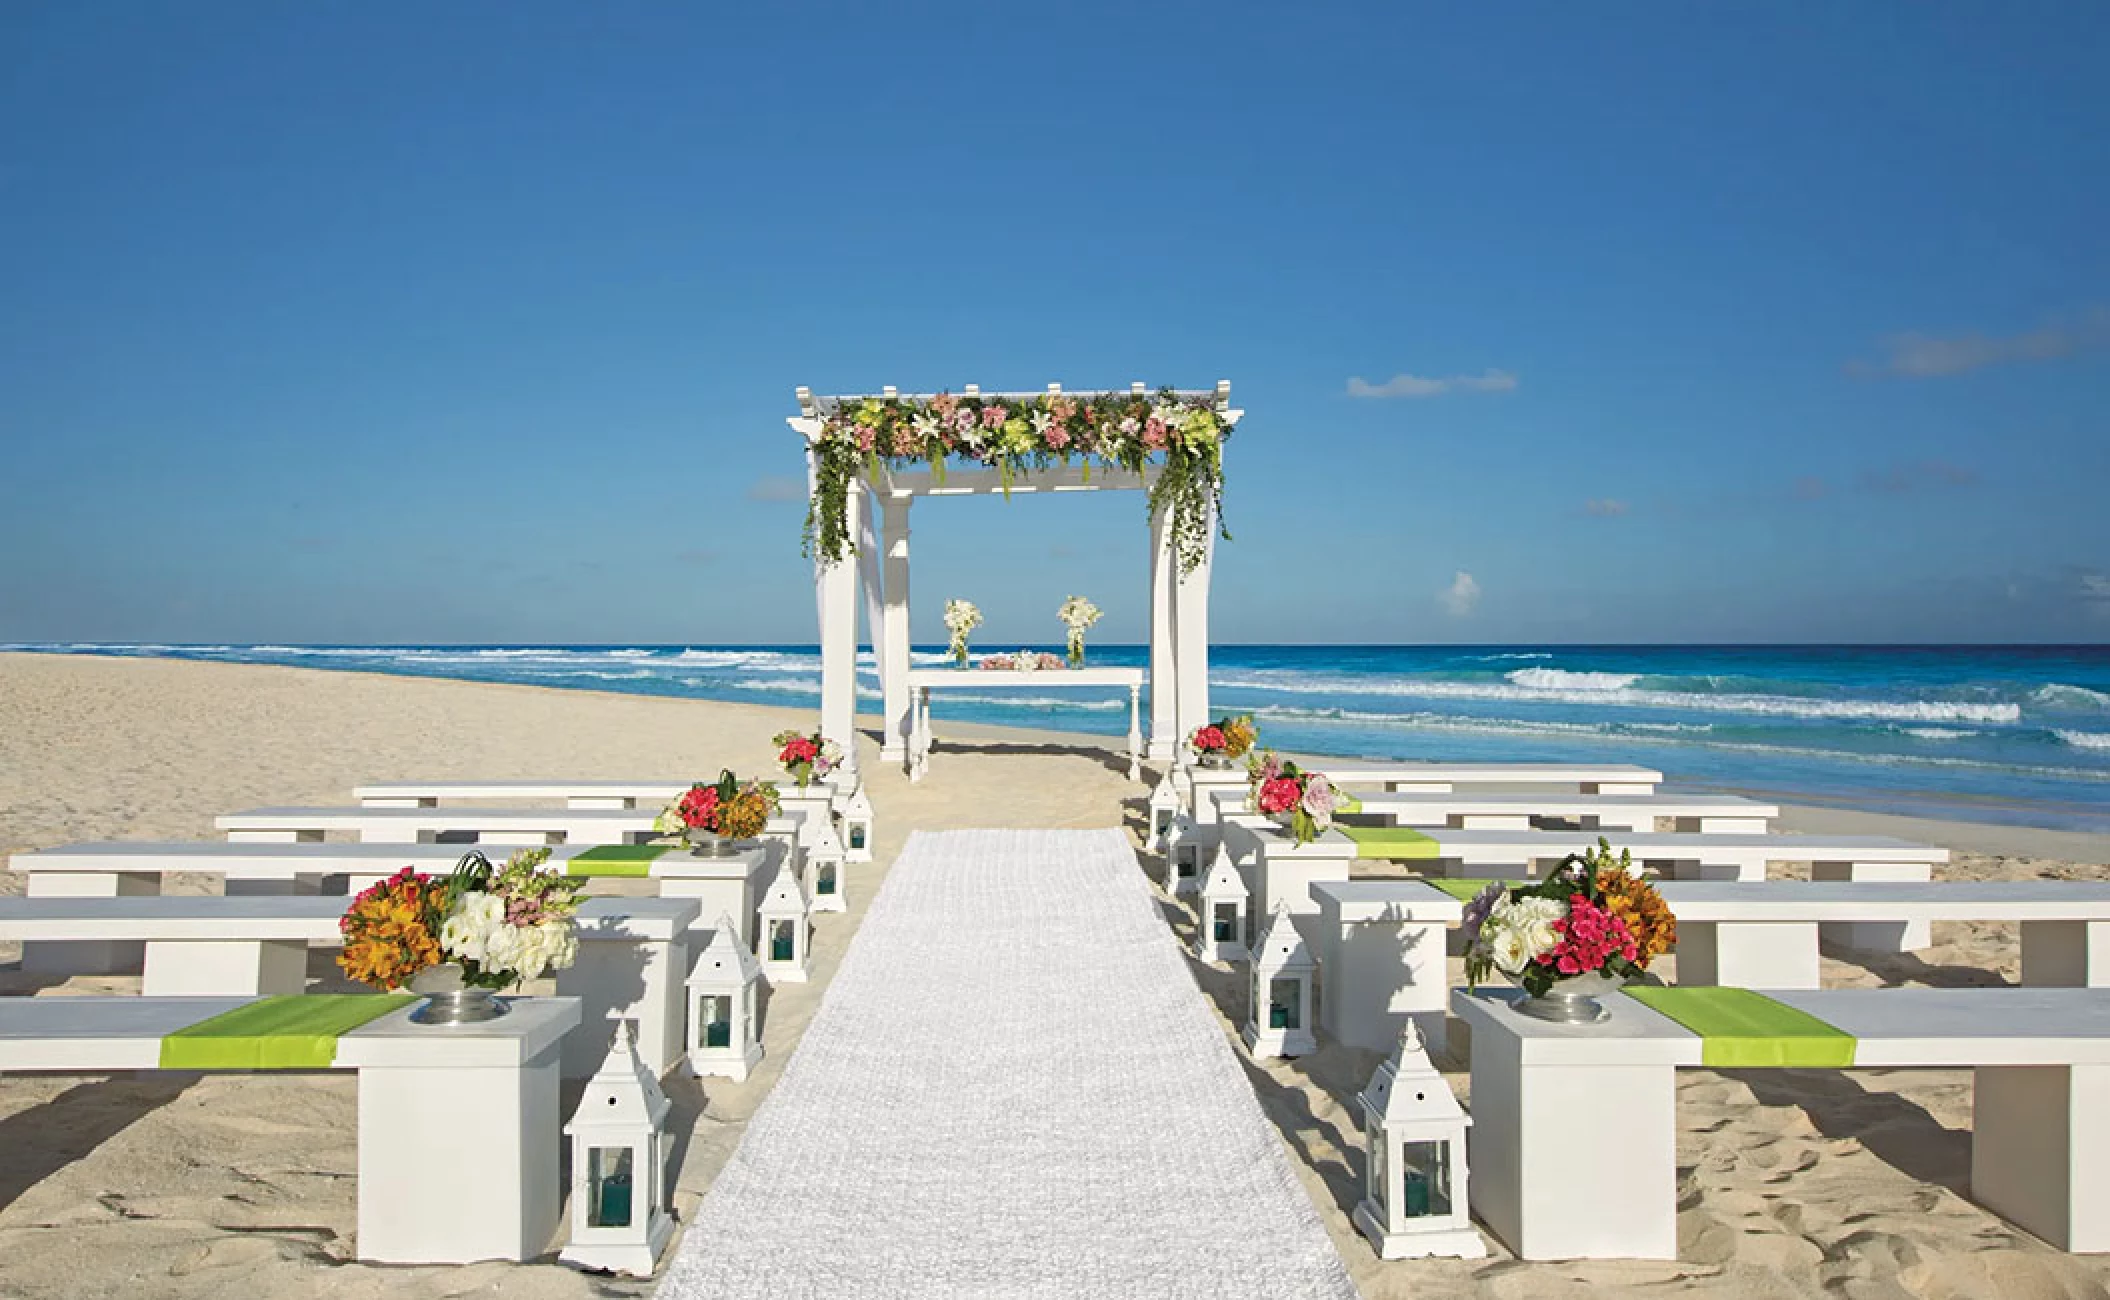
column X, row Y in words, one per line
column 1019, row 434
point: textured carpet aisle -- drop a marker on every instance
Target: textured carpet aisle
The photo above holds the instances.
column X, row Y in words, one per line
column 1012, row 1088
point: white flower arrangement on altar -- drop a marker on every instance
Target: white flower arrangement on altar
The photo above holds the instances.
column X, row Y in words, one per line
column 961, row 617
column 1077, row 614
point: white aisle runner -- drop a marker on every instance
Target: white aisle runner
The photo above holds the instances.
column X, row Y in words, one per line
column 1012, row 1088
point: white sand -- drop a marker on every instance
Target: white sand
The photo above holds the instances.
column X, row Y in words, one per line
column 1792, row 1183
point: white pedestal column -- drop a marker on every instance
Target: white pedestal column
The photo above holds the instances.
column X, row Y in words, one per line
column 894, row 638
column 1164, row 684
column 1190, row 626
column 838, row 584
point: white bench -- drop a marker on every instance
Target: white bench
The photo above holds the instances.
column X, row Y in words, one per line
column 2040, row 1150
column 633, row 953
column 1200, row 788
column 503, row 826
column 1766, row 936
column 804, row 830
column 729, row 886
column 1382, row 960
column 436, row 1105
column 1381, row 943
column 851, row 809
column 1471, row 810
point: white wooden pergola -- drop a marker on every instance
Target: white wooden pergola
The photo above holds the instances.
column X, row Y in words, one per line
column 1179, row 602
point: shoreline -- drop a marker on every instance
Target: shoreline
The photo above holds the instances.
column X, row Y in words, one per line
column 1961, row 833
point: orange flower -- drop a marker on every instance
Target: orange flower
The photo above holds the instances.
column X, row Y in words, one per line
column 1636, row 902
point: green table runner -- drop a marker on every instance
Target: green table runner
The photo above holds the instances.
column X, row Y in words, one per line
column 1391, row 843
column 617, row 860
column 288, row 1032
column 1743, row 1029
column 1464, row 890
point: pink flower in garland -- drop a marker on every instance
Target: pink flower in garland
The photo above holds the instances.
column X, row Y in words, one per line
column 992, row 416
column 944, row 404
column 904, row 440
column 1057, row 437
column 1154, row 433
column 867, row 437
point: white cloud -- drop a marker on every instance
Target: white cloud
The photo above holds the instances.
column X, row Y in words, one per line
column 1605, row 507
column 1462, row 597
column 1926, row 356
column 1493, row 381
column 2095, row 593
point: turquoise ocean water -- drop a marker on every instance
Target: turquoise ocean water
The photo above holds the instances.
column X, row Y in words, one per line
column 2016, row 734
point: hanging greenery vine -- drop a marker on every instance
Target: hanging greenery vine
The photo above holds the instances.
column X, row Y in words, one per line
column 1020, row 434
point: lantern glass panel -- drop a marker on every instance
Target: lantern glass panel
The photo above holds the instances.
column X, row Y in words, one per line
column 857, row 835
column 609, row 1184
column 827, row 878
column 1283, row 999
column 1424, row 1178
column 781, row 941
column 716, row 1013
column 1226, row 921
column 1374, row 1144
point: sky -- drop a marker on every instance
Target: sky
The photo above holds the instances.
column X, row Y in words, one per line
column 383, row 322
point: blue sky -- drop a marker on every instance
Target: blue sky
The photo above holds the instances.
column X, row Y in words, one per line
column 479, row 322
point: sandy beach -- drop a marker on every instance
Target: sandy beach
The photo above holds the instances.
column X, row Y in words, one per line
column 1792, row 1183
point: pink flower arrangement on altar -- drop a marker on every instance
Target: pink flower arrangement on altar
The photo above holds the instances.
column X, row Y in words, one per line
column 1304, row 801
column 1024, row 661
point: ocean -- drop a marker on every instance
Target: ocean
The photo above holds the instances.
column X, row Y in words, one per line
column 2014, row 734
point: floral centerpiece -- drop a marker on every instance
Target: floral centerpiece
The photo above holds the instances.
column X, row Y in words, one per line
column 1077, row 614
column 712, row 817
column 1022, row 661
column 1305, row 802
column 1183, row 432
column 1220, row 742
column 479, row 927
column 961, row 617
column 807, row 756
column 1584, row 930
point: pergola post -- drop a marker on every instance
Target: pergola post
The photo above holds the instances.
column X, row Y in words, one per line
column 1165, row 730
column 1190, row 626
column 838, row 592
column 894, row 638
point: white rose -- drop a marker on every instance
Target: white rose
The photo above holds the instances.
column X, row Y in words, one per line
column 468, row 931
column 1505, row 947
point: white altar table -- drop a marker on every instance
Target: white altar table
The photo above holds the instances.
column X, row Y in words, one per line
column 922, row 681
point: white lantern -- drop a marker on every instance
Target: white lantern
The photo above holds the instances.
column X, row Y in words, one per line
column 1220, row 913
column 1182, row 855
column 1279, row 1020
column 1414, row 1188
column 824, row 874
column 857, row 816
column 724, row 1038
column 784, row 937
column 1164, row 805
column 619, row 1161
